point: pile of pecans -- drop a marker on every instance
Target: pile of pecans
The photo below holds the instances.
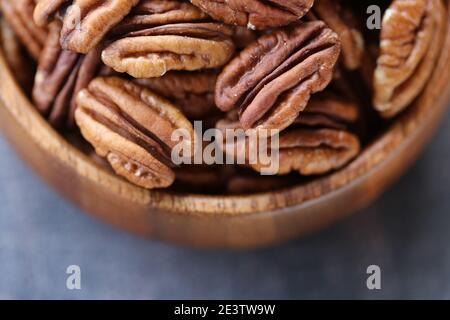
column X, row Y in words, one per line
column 127, row 74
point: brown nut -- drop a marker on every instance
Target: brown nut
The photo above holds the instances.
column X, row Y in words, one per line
column 192, row 92
column 338, row 16
column 131, row 127
column 315, row 151
column 411, row 38
column 184, row 46
column 61, row 74
column 308, row 150
column 255, row 14
column 85, row 22
column 18, row 15
column 329, row 110
column 150, row 13
column 317, row 142
column 271, row 81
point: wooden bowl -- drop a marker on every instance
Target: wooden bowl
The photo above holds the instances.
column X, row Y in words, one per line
column 223, row 221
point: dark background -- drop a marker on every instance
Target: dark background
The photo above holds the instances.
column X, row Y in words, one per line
column 406, row 233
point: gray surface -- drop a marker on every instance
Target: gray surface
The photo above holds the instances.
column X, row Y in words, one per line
column 406, row 233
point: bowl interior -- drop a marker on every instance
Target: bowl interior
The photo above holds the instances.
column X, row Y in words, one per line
column 400, row 133
column 311, row 204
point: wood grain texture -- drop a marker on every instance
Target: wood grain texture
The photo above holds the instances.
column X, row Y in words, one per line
column 219, row 221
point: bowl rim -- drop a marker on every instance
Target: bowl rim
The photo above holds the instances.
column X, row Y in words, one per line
column 401, row 134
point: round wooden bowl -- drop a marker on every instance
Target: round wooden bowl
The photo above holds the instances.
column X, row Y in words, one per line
column 223, row 221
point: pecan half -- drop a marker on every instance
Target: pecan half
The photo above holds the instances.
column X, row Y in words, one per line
column 317, row 142
column 315, row 151
column 18, row 13
column 193, row 92
column 85, row 22
column 61, row 74
column 150, row 13
column 329, row 110
column 132, row 127
column 308, row 150
column 338, row 16
column 183, row 46
column 411, row 38
column 271, row 81
column 255, row 14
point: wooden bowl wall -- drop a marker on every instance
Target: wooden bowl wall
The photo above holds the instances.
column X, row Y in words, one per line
column 223, row 221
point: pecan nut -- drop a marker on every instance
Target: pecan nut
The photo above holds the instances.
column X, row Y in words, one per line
column 18, row 13
column 132, row 128
column 159, row 12
column 271, row 81
column 315, row 151
column 192, row 92
column 340, row 19
column 316, row 143
column 85, row 22
column 330, row 110
column 255, row 14
column 319, row 141
column 327, row 109
column 61, row 74
column 411, row 38
column 183, row 46
column 158, row 36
